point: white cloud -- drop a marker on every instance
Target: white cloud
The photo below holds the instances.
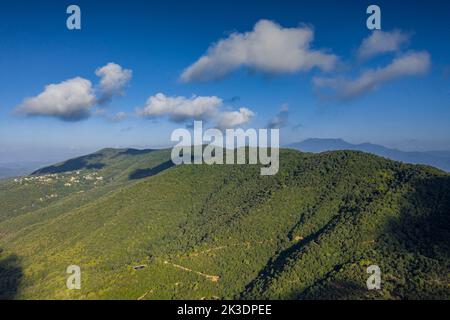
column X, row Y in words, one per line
column 73, row 99
column 113, row 81
column 180, row 109
column 281, row 119
column 70, row 100
column 231, row 119
column 380, row 42
column 410, row 64
column 268, row 48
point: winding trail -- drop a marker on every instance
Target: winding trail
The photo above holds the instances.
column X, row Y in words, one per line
column 145, row 294
column 207, row 276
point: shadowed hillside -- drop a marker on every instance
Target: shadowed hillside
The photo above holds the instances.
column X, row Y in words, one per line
column 91, row 161
column 10, row 276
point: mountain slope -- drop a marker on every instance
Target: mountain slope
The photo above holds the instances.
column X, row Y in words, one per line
column 438, row 159
column 224, row 231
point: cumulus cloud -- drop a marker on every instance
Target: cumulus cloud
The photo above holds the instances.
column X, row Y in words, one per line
column 113, row 79
column 181, row 109
column 70, row 100
column 380, row 42
column 73, row 99
column 231, row 119
column 269, row 48
column 281, row 118
column 410, row 64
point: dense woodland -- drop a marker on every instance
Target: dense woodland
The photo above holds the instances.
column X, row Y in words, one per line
column 140, row 228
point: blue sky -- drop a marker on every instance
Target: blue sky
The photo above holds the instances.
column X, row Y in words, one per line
column 158, row 40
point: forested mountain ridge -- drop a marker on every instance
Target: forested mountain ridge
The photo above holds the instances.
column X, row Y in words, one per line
column 140, row 228
column 438, row 159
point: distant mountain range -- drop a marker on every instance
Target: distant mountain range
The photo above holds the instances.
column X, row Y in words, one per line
column 438, row 159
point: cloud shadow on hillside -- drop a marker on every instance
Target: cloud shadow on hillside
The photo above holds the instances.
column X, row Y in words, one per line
column 144, row 173
column 135, row 152
column 423, row 231
column 10, row 277
column 72, row 165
